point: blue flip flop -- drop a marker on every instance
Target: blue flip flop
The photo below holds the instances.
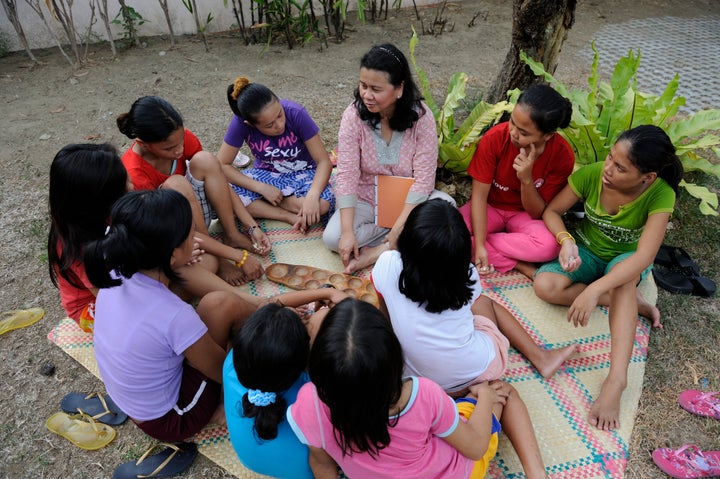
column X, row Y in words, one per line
column 172, row 460
column 100, row 407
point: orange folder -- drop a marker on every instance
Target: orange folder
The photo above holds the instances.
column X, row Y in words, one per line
column 391, row 195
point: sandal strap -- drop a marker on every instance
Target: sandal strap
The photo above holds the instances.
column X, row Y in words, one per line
column 691, row 457
column 82, row 416
column 162, row 465
column 102, row 403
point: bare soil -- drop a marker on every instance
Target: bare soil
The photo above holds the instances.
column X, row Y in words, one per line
column 47, row 106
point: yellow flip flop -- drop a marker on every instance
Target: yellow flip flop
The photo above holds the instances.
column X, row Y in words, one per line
column 81, row 430
column 20, row 318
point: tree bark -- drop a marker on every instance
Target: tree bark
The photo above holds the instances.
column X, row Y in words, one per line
column 166, row 11
column 539, row 28
column 11, row 11
column 103, row 12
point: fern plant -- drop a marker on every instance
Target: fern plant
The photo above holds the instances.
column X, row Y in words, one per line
column 605, row 110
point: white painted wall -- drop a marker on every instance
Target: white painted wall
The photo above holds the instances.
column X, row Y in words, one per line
column 182, row 20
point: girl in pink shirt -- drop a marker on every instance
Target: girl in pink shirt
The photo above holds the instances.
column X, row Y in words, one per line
column 359, row 412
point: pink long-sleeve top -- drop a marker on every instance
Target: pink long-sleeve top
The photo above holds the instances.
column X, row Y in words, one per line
column 362, row 155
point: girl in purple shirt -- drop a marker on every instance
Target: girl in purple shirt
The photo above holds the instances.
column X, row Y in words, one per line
column 290, row 178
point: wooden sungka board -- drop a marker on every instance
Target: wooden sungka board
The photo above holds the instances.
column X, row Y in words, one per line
column 307, row 277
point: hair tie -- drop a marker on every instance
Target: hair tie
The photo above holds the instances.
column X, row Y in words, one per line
column 238, row 85
column 391, row 54
column 259, row 398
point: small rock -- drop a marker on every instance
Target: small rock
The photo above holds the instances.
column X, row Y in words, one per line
column 161, row 53
column 74, row 81
column 47, row 369
column 44, row 136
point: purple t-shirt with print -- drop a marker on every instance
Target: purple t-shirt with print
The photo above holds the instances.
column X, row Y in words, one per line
column 284, row 153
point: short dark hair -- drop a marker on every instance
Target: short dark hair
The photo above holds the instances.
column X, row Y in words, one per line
column 651, row 150
column 356, row 364
column 548, row 109
column 85, row 180
column 145, row 228
column 389, row 59
column 269, row 353
column 151, row 119
column 436, row 251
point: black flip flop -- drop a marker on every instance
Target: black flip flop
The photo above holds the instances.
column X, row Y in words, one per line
column 172, row 460
column 678, row 282
column 674, row 257
column 673, row 281
column 100, row 407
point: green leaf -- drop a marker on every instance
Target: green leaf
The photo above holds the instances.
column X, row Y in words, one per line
column 422, row 77
column 456, row 93
column 708, row 199
column 694, row 125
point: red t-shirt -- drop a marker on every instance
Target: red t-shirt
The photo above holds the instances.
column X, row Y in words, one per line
column 74, row 299
column 145, row 177
column 493, row 160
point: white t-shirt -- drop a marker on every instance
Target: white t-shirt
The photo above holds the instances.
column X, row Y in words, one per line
column 444, row 347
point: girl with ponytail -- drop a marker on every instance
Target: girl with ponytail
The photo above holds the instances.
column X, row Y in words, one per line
column 628, row 200
column 261, row 378
column 290, row 178
column 160, row 359
column 518, row 168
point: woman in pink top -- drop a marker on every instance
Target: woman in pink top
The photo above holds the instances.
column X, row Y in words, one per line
column 359, row 413
column 518, row 167
column 387, row 130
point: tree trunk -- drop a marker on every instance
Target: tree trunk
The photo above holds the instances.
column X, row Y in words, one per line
column 35, row 5
column 539, row 28
column 11, row 12
column 103, row 12
column 166, row 11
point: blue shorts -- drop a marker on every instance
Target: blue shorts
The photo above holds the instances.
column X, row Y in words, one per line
column 296, row 183
column 591, row 268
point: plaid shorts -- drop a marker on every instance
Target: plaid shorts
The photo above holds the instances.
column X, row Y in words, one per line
column 296, row 183
column 199, row 190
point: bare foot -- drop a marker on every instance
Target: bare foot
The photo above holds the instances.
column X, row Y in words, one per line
column 526, row 269
column 368, row 256
column 648, row 311
column 231, row 273
column 218, row 416
column 605, row 412
column 553, row 359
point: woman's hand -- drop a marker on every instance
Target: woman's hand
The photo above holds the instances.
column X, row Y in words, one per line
column 348, row 247
column 271, row 194
column 569, row 258
column 582, row 307
column 523, row 164
column 197, row 252
column 261, row 243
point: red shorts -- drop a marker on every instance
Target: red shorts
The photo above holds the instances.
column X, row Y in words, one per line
column 199, row 398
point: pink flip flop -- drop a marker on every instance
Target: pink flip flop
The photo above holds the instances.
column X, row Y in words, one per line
column 700, row 403
column 687, row 462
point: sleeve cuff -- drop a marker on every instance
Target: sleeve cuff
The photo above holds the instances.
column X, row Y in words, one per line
column 346, row 201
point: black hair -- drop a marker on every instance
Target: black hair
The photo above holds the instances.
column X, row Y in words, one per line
column 247, row 99
column 145, row 228
column 356, row 364
column 389, row 59
column 436, row 252
column 85, row 181
column 151, row 119
column 651, row 151
column 269, row 353
column 547, row 108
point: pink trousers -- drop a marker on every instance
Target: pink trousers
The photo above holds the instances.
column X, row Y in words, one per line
column 514, row 236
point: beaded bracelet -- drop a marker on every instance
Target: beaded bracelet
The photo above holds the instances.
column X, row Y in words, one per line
column 470, row 400
column 240, row 263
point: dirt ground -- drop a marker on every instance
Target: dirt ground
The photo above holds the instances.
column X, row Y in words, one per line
column 50, row 105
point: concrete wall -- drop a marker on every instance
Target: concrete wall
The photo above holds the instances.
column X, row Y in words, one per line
column 182, row 20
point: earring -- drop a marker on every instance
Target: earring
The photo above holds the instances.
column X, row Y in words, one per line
column 399, row 97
